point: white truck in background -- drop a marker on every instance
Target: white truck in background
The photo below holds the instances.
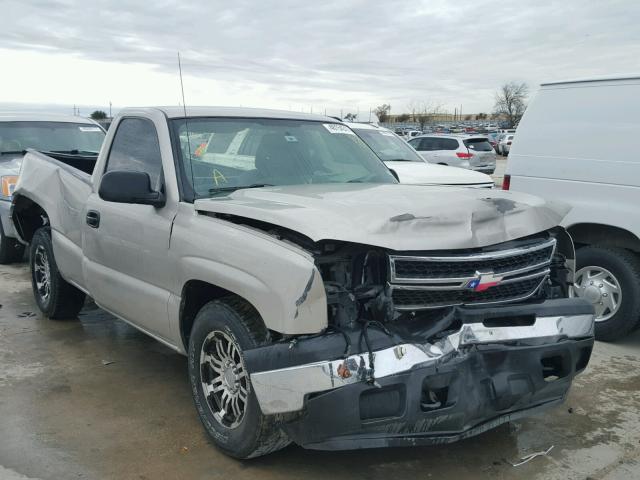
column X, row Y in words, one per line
column 577, row 144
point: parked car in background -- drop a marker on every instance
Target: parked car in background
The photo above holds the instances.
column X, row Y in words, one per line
column 410, row 167
column 593, row 166
column 318, row 300
column 409, row 134
column 504, row 144
column 493, row 138
column 65, row 134
column 464, row 151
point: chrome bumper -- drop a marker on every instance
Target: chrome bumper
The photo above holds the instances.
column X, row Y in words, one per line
column 7, row 224
column 284, row 390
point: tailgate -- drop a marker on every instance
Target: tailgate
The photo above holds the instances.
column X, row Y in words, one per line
column 483, row 153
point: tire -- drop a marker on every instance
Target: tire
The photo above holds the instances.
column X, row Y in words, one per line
column 624, row 267
column 56, row 298
column 10, row 249
column 250, row 434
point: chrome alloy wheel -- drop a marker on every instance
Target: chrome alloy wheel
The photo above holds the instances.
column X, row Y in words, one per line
column 224, row 378
column 42, row 273
column 601, row 288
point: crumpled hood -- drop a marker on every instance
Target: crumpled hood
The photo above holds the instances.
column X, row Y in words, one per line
column 429, row 173
column 394, row 216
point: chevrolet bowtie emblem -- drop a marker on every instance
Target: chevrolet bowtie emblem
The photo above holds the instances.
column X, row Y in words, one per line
column 483, row 281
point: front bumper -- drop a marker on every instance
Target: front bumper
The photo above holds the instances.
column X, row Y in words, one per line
column 7, row 224
column 434, row 392
column 488, row 169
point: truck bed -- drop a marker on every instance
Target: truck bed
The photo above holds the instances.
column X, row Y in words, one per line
column 60, row 184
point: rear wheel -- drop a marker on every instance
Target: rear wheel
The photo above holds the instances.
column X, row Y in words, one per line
column 10, row 249
column 220, row 383
column 609, row 278
column 55, row 297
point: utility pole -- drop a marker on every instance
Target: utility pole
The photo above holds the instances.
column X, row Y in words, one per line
column 110, row 109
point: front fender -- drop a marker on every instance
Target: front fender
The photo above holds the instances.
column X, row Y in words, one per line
column 280, row 280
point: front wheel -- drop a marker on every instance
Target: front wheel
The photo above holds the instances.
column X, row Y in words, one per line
column 55, row 297
column 220, row 383
column 609, row 278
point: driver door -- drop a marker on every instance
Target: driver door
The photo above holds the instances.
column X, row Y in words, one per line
column 126, row 246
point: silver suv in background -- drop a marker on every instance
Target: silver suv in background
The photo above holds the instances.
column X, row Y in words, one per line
column 74, row 137
column 464, row 151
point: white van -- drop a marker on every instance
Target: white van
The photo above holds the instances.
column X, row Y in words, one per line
column 577, row 144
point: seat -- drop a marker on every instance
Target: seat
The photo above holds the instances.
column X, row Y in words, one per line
column 280, row 162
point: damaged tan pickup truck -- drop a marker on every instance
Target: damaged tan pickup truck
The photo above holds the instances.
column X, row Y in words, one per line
column 318, row 300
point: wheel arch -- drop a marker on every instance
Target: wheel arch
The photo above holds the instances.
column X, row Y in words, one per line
column 195, row 295
column 604, row 235
column 27, row 217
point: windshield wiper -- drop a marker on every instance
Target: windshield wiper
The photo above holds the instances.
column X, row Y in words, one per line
column 14, row 152
column 213, row 191
column 400, row 160
column 74, row 152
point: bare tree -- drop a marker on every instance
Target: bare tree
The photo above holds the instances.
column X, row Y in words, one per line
column 426, row 113
column 382, row 112
column 510, row 101
column 403, row 117
column 351, row 117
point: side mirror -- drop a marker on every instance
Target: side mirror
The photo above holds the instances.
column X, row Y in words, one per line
column 123, row 186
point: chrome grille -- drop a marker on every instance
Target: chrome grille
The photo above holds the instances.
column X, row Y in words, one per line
column 419, row 282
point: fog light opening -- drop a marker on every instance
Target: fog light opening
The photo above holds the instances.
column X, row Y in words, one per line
column 553, row 368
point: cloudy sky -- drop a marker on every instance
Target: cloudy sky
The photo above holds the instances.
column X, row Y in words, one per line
column 334, row 55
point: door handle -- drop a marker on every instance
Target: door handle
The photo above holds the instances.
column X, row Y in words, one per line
column 93, row 219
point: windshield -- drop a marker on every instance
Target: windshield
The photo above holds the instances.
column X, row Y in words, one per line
column 50, row 136
column 388, row 146
column 224, row 154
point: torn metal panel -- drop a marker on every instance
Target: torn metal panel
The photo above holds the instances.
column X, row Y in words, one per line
column 397, row 217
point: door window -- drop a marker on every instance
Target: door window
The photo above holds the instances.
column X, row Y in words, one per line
column 135, row 147
column 446, row 144
column 415, row 143
column 426, row 144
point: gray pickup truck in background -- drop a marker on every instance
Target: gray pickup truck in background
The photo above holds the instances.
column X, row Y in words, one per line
column 318, row 300
column 73, row 137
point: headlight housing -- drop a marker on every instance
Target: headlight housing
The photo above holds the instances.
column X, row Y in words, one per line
column 8, row 184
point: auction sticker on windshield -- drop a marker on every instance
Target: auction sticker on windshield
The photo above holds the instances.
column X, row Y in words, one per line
column 89, row 129
column 337, row 128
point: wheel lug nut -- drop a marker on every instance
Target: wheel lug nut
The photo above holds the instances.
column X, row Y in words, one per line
column 600, row 286
column 605, row 294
